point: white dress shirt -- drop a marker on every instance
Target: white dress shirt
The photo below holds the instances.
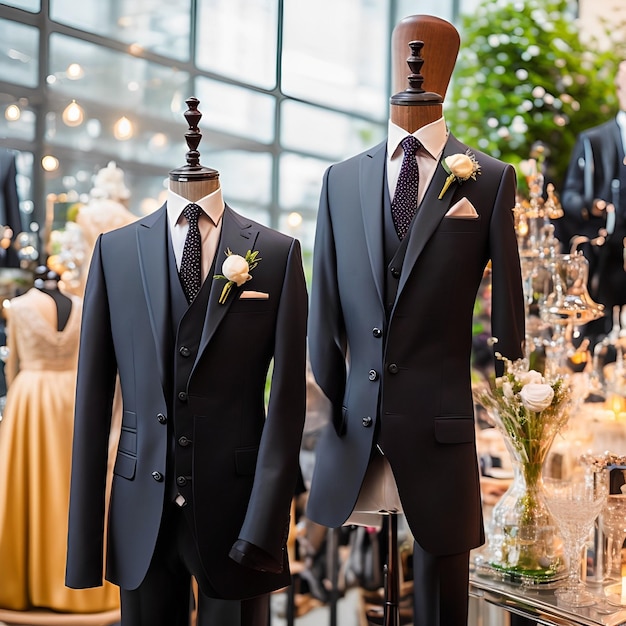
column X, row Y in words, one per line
column 433, row 138
column 210, row 225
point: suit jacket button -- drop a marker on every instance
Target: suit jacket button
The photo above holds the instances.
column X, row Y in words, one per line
column 373, row 375
column 161, row 418
column 184, row 351
column 183, row 441
column 182, row 396
column 392, row 368
column 181, row 481
column 157, row 476
column 367, row 421
column 395, row 272
column 377, row 332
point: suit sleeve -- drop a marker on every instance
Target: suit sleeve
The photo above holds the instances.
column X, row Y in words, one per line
column 573, row 195
column 508, row 311
column 92, row 420
column 327, row 335
column 266, row 523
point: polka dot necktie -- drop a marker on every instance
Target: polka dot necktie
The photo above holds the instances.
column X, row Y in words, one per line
column 190, row 269
column 404, row 204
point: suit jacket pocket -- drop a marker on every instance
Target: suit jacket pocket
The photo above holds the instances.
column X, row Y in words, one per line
column 245, row 461
column 125, row 465
column 128, row 434
column 455, row 429
column 460, row 225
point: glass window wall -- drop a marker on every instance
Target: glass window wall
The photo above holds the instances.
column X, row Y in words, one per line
column 285, row 89
column 160, row 26
column 19, row 57
column 238, row 39
column 34, row 6
column 339, row 61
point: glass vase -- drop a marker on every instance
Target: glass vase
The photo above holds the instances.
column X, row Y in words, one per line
column 523, row 540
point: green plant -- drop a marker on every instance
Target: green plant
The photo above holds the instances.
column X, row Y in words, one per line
column 525, row 75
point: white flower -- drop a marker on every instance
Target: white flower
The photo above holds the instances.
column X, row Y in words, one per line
column 507, row 389
column 461, row 167
column 536, row 396
column 236, row 268
column 531, row 376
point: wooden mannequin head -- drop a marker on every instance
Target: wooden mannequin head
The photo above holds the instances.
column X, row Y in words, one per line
column 441, row 42
column 193, row 181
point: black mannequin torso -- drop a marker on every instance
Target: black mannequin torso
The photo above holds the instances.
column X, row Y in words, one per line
column 47, row 281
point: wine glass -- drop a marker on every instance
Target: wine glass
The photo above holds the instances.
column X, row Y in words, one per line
column 575, row 502
column 613, row 525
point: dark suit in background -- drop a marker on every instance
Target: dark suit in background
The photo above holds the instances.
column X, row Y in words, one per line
column 596, row 178
column 194, row 420
column 10, row 214
column 390, row 337
column 597, row 175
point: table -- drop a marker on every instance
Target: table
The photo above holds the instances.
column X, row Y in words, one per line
column 539, row 605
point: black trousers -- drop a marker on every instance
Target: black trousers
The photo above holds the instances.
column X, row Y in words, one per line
column 164, row 597
column 440, row 588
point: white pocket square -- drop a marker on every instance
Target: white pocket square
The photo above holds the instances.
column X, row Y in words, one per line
column 254, row 295
column 463, row 208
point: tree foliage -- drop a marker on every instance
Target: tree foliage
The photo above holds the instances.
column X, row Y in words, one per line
column 525, row 75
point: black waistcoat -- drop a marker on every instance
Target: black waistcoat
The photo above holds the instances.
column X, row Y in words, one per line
column 395, row 251
column 187, row 325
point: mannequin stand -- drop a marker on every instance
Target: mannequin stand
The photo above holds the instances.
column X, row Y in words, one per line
column 390, row 613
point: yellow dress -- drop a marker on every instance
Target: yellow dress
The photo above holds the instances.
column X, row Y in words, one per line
column 35, row 457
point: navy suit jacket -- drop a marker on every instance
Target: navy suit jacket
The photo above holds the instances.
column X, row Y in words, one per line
column 410, row 383
column 245, row 459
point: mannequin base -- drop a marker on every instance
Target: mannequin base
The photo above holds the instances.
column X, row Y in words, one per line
column 49, row 618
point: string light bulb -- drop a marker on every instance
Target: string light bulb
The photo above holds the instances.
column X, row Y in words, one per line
column 123, row 129
column 73, row 114
column 12, row 113
column 74, row 71
column 50, row 163
column 294, row 219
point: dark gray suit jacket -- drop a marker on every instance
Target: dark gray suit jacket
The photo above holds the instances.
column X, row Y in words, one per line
column 596, row 162
column 124, row 329
column 10, row 214
column 405, row 379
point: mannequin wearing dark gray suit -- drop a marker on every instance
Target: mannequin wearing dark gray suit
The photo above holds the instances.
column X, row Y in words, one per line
column 390, row 337
column 204, row 474
column 596, row 179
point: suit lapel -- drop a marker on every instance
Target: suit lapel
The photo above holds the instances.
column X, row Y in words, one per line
column 430, row 212
column 152, row 251
column 238, row 235
column 372, row 189
column 610, row 158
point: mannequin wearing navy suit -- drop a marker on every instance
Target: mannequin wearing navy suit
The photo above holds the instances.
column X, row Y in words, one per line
column 596, row 178
column 204, row 475
column 390, row 342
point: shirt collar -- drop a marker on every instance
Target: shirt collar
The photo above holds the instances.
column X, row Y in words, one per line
column 212, row 205
column 433, row 137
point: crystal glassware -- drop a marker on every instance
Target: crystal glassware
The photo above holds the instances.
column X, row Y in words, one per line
column 613, row 525
column 575, row 502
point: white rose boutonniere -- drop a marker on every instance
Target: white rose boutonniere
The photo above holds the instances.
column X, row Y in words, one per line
column 460, row 168
column 236, row 270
